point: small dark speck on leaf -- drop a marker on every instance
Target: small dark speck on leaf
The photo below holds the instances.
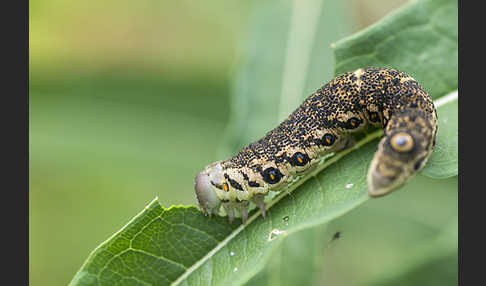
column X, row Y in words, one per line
column 337, row 235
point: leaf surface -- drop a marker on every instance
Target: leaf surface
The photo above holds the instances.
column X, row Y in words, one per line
column 443, row 162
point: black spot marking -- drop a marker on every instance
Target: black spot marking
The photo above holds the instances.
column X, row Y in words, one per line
column 225, row 187
column 271, row 175
column 233, row 183
column 245, row 176
column 374, row 116
column 328, row 139
column 419, row 163
column 299, row 159
column 253, row 184
column 353, row 123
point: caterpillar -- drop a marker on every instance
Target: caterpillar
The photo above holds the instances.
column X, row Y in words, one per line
column 324, row 123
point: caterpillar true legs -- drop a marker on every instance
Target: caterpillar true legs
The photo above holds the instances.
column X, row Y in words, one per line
column 323, row 123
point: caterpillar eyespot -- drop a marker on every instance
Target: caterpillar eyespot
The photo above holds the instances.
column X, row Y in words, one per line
column 328, row 139
column 271, row 175
column 299, row 159
column 353, row 123
column 225, row 187
column 402, row 142
column 322, row 124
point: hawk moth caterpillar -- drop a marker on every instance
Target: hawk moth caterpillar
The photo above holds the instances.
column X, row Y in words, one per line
column 322, row 124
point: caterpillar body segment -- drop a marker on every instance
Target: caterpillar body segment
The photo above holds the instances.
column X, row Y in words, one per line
column 322, row 124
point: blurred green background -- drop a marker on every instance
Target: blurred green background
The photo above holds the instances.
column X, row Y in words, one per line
column 128, row 101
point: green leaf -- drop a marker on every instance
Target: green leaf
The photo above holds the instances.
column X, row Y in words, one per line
column 392, row 236
column 272, row 83
column 298, row 261
column 438, row 255
column 383, row 239
column 155, row 248
column 443, row 162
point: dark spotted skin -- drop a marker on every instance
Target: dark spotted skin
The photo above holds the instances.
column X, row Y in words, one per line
column 323, row 123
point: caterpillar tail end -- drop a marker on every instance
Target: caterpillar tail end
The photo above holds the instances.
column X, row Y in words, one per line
column 399, row 157
column 385, row 177
column 379, row 185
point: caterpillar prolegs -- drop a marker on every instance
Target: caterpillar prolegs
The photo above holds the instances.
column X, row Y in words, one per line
column 322, row 124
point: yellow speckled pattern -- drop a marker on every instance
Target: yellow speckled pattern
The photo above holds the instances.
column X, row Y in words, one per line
column 322, row 124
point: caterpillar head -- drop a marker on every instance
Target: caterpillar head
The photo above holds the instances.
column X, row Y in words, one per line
column 204, row 185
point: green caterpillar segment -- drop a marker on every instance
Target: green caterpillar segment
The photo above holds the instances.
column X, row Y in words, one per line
column 322, row 124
